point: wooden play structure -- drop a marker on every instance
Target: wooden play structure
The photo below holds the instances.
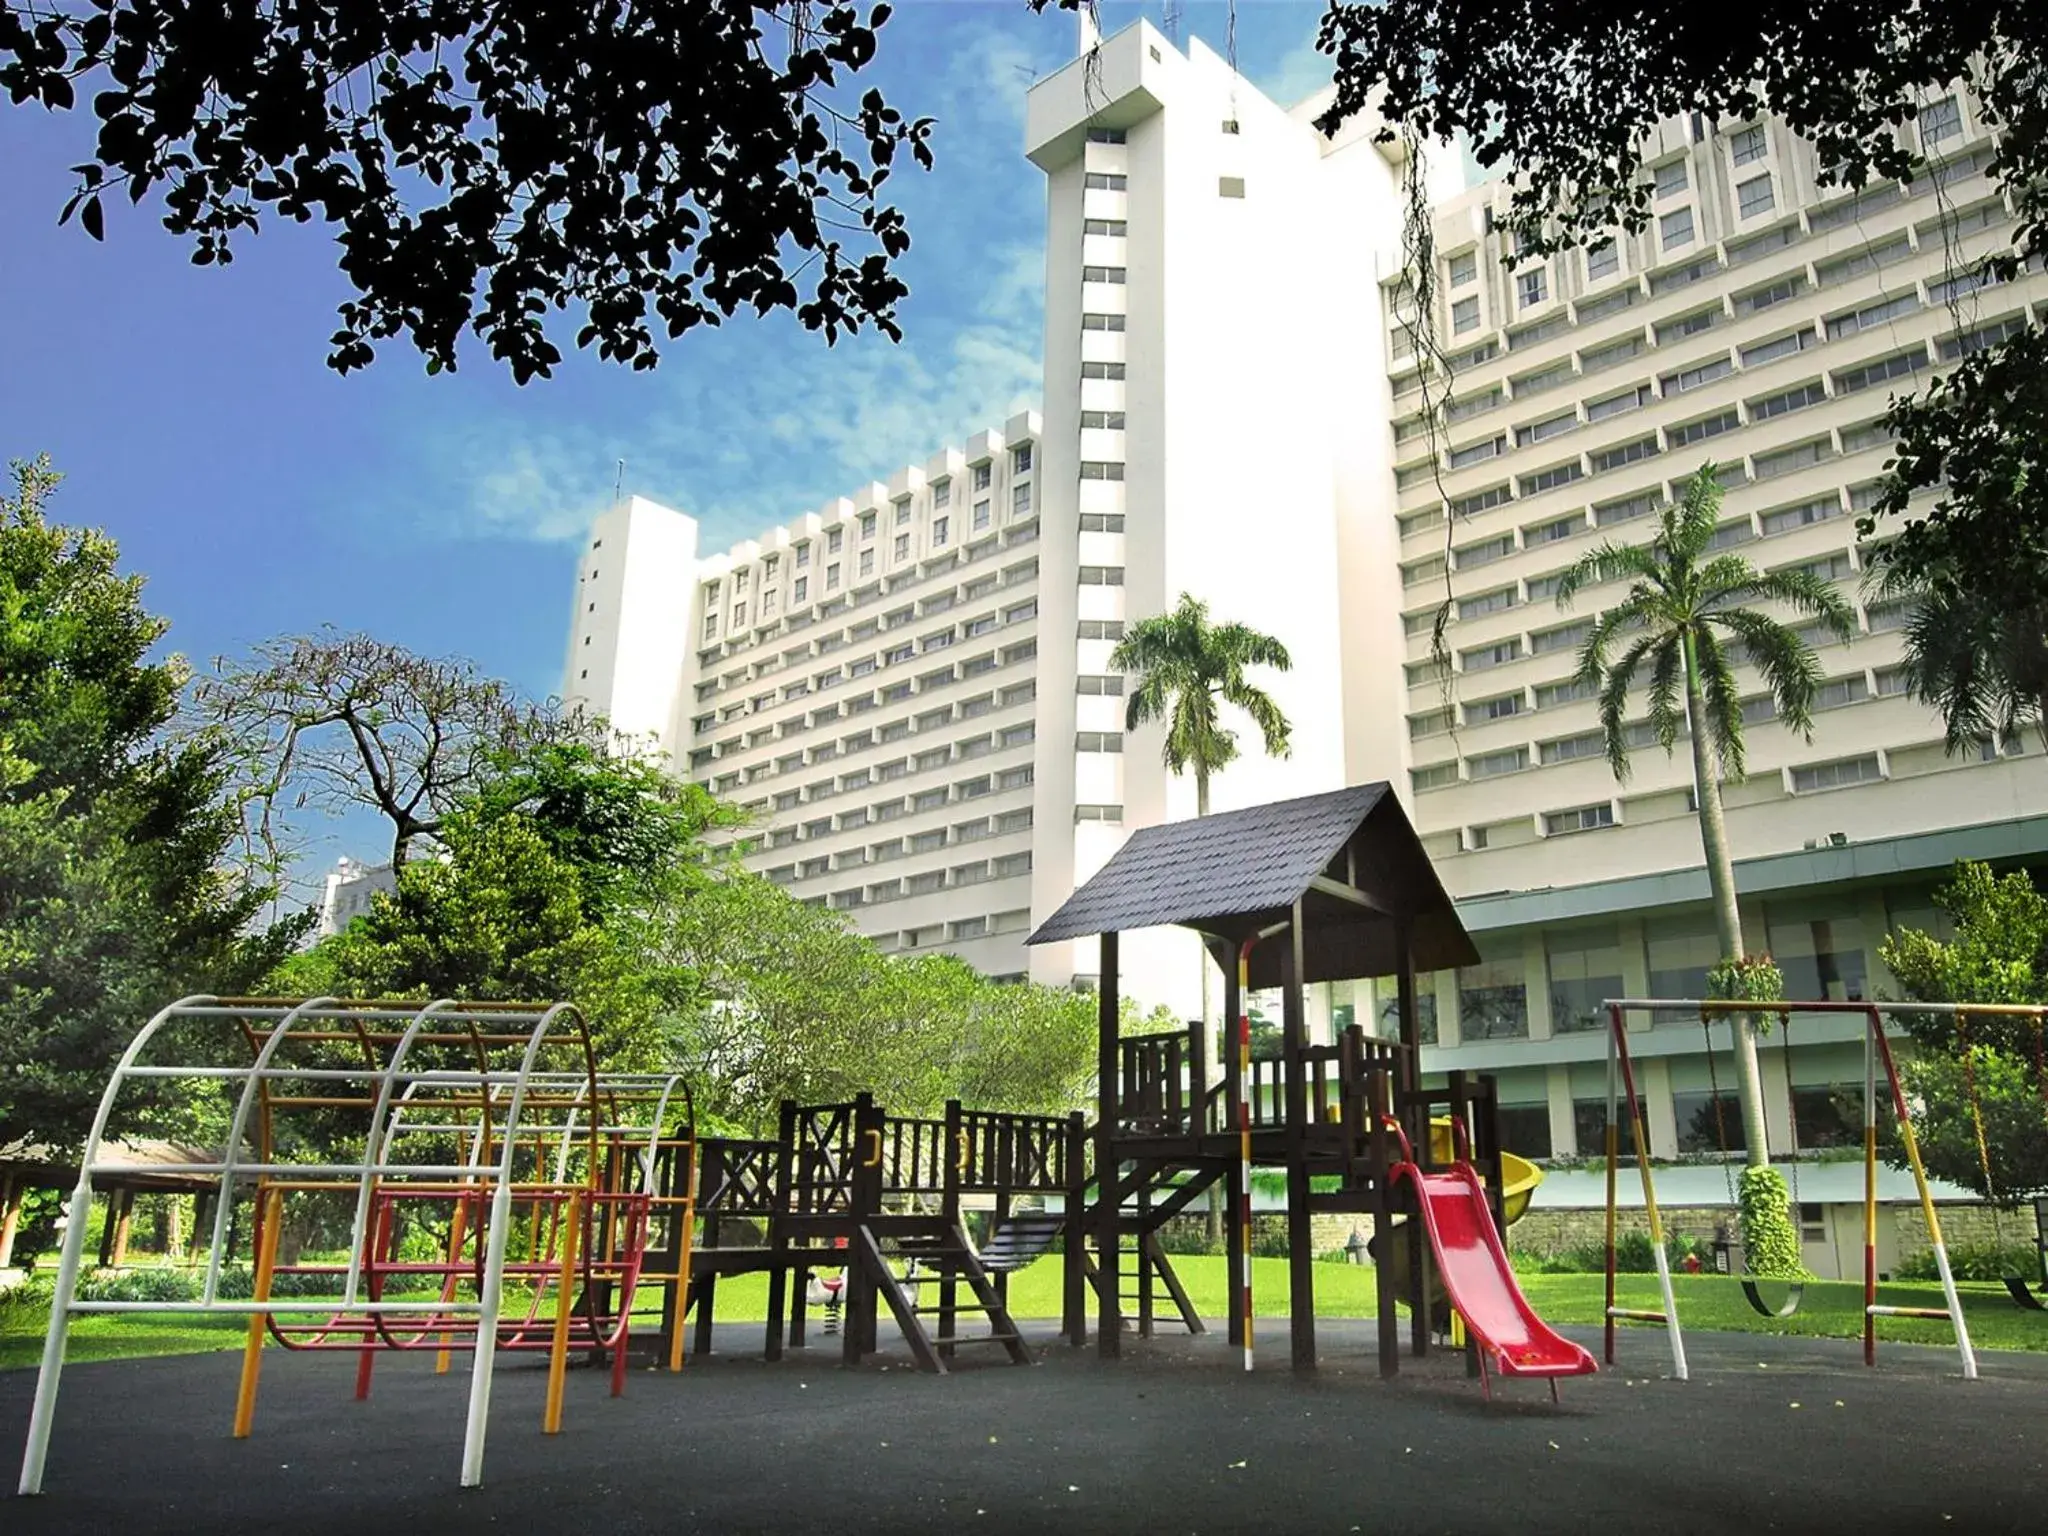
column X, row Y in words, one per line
column 1323, row 888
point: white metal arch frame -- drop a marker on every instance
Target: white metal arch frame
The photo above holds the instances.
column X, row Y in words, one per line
column 484, row 1056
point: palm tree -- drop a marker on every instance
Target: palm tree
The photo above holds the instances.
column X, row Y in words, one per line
column 1683, row 617
column 1186, row 669
column 1982, row 663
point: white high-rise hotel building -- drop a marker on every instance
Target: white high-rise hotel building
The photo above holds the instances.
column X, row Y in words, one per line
column 910, row 685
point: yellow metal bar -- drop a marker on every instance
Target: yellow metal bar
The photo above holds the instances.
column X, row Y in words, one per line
column 688, row 1217
column 558, row 1352
column 456, row 1225
column 252, row 1348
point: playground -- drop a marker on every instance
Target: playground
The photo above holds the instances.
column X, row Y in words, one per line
column 528, row 1235
column 1173, row 1438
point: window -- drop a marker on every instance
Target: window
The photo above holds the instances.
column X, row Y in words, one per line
column 1487, row 602
column 1465, row 315
column 1780, row 292
column 1806, row 513
column 1835, row 775
column 1699, row 431
column 1436, row 776
column 1550, row 695
column 1742, row 252
column 1675, row 228
column 1754, row 197
column 940, row 526
column 981, row 513
column 1230, row 186
column 800, row 589
column 1692, row 378
column 1550, row 479
column 1486, row 657
column 1532, row 288
column 1872, row 315
column 1103, row 181
column 1493, row 999
column 1105, row 421
column 1101, row 576
column 1110, row 813
column 1749, row 145
column 1787, row 401
column 1777, row 347
column 1105, row 135
column 831, row 578
column 1473, row 555
column 1096, row 469
column 1102, row 274
column 1819, row 949
column 1627, row 453
column 1585, row 970
column 1613, row 355
column 1099, row 741
column 867, row 562
column 1090, row 683
column 1480, row 501
column 1770, row 465
column 1968, row 344
column 1611, row 304
column 1425, row 1018
column 1102, row 370
column 1940, row 121
column 1567, row 637
column 1530, row 335
column 1549, row 427
column 1551, row 532
column 1020, row 459
column 1671, row 178
column 1502, row 707
column 1464, row 268
column 982, row 474
column 1570, row 749
column 1102, row 322
column 1603, row 260
column 1616, row 405
column 1102, row 522
column 1843, row 690
column 1536, row 383
column 1478, row 453
column 1583, row 818
column 1688, row 325
column 1493, row 765
column 1898, row 366
column 1869, row 258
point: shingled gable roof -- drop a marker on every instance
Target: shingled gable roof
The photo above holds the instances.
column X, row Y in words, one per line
column 1229, row 875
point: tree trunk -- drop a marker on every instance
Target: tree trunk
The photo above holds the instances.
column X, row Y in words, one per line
column 1212, row 1032
column 1727, row 918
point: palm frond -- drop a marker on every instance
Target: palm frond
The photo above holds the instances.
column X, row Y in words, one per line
column 1801, row 591
column 1691, row 520
column 1614, row 698
column 1149, row 701
column 1633, row 612
column 1610, row 562
column 1266, row 715
column 1667, row 706
column 1786, row 661
column 1721, row 702
column 1240, row 646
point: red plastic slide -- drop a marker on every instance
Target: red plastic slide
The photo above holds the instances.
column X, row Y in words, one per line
column 1476, row 1276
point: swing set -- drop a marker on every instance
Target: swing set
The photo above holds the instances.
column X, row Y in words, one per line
column 1877, row 1052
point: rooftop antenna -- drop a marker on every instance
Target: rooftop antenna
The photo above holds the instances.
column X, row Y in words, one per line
column 619, row 484
column 1091, row 29
column 1169, row 17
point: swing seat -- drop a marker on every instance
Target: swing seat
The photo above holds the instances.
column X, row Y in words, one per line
column 2023, row 1295
column 1795, row 1293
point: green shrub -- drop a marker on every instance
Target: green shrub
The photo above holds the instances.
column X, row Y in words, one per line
column 1973, row 1261
column 1770, row 1242
column 155, row 1283
column 1634, row 1254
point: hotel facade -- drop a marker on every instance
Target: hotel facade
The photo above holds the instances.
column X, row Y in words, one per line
column 910, row 686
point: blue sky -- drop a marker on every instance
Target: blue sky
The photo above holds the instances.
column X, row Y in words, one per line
column 261, row 494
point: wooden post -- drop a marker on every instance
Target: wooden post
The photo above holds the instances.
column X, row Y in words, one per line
column 1414, row 1116
column 949, row 1203
column 106, row 1256
column 778, row 1230
column 1300, row 1229
column 202, row 1208
column 13, row 1195
column 124, row 1224
column 712, row 1177
column 1074, row 1240
column 1109, row 1323
column 1380, row 1157
column 864, row 1199
column 1233, row 1090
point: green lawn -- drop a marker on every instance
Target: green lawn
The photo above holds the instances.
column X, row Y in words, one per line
column 1705, row 1302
